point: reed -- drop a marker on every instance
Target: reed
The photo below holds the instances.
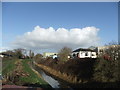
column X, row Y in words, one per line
column 64, row 76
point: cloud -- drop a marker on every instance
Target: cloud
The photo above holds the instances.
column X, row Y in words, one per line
column 50, row 38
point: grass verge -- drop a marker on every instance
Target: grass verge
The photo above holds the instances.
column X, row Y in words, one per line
column 8, row 66
column 33, row 79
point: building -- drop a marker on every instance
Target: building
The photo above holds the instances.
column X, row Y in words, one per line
column 55, row 56
column 1, row 56
column 111, row 51
column 84, row 53
column 48, row 54
column 5, row 55
column 102, row 49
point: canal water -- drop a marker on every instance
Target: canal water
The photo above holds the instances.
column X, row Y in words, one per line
column 51, row 80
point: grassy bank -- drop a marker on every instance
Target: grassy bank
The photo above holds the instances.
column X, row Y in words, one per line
column 8, row 66
column 19, row 72
column 33, row 77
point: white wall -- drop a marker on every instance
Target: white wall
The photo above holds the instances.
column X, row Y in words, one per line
column 82, row 54
column 94, row 55
column 1, row 55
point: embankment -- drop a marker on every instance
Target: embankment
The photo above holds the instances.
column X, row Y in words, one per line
column 22, row 74
column 73, row 71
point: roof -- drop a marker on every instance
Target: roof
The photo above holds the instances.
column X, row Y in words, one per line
column 5, row 54
column 81, row 49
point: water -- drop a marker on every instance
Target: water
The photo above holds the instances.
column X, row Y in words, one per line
column 54, row 83
column 1, row 77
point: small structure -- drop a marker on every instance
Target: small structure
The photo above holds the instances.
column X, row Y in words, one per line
column 48, row 54
column 55, row 56
column 1, row 56
column 84, row 53
column 5, row 55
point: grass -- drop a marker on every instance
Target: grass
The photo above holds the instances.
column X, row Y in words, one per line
column 33, row 78
column 7, row 66
column 10, row 68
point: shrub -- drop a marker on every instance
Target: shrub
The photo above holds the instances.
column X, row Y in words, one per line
column 108, row 70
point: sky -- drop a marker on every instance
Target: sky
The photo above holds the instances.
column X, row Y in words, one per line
column 51, row 26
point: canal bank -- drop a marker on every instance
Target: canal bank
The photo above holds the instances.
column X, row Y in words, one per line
column 64, row 76
column 22, row 74
column 77, row 86
column 54, row 81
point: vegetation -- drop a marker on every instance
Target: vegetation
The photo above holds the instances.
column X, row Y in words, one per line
column 101, row 72
column 19, row 72
column 32, row 77
column 38, row 57
column 63, row 54
column 18, row 53
column 7, row 66
column 31, row 54
column 74, row 70
column 108, row 69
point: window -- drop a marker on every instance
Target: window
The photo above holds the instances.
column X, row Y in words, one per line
column 77, row 54
column 93, row 55
column 86, row 54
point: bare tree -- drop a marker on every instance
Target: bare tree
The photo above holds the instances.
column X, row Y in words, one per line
column 31, row 54
column 63, row 54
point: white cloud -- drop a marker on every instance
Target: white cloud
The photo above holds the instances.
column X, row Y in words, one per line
column 55, row 39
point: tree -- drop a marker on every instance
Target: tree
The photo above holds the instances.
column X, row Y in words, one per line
column 92, row 47
column 108, row 70
column 31, row 54
column 18, row 53
column 63, row 54
column 38, row 57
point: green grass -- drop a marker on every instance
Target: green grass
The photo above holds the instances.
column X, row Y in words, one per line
column 8, row 66
column 33, row 78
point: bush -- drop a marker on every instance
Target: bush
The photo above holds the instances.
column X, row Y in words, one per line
column 108, row 70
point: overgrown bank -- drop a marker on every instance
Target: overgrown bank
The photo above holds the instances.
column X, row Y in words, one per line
column 73, row 71
column 21, row 74
column 80, row 72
